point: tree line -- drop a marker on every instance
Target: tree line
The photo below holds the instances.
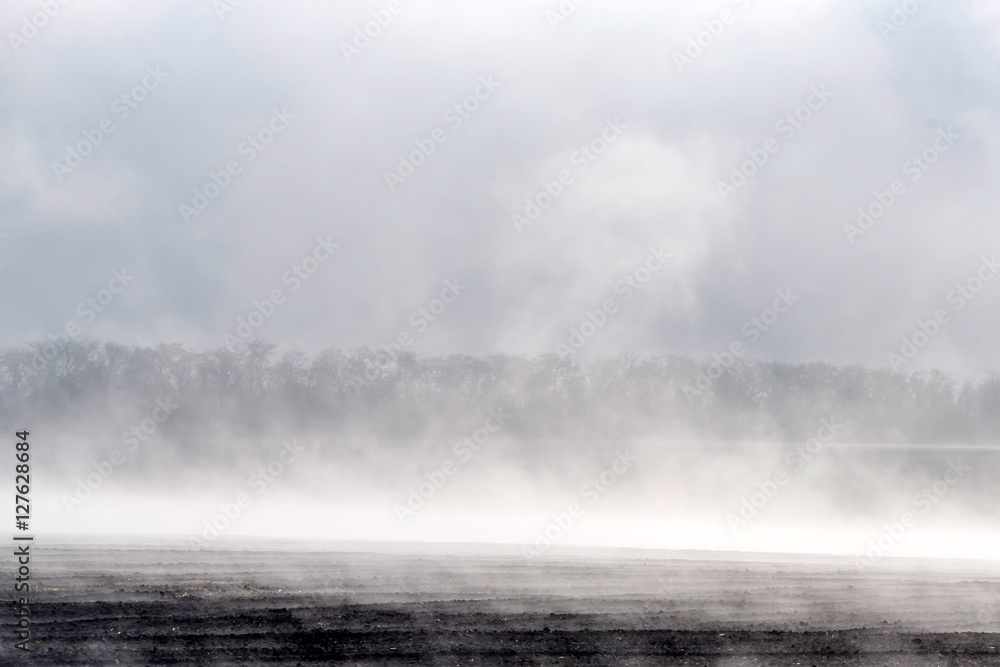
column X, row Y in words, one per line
column 255, row 390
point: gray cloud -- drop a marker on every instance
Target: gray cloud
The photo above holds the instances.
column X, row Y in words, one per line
column 658, row 184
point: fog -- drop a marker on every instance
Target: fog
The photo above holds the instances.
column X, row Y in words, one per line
column 221, row 74
column 429, row 331
column 654, row 452
column 447, row 269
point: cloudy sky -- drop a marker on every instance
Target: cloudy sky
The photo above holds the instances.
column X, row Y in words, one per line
column 620, row 100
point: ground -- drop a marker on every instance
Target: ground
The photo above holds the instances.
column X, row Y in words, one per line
column 161, row 604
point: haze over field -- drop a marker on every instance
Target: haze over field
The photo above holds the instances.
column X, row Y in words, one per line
column 187, row 87
column 689, row 268
column 771, row 457
column 402, row 332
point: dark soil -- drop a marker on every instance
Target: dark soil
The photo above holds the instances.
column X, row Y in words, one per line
column 154, row 607
column 174, row 631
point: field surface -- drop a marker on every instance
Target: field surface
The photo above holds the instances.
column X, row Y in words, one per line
column 256, row 603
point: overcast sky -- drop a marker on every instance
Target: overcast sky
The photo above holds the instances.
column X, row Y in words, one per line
column 345, row 116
